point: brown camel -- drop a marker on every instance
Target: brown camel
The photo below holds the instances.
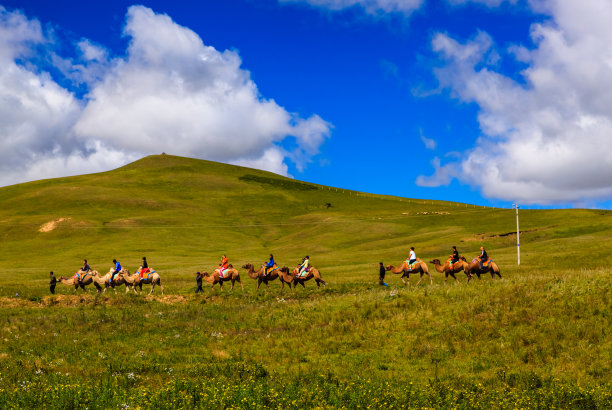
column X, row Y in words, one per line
column 86, row 279
column 447, row 270
column 475, row 268
column 151, row 277
column 310, row 274
column 274, row 273
column 418, row 267
column 232, row 275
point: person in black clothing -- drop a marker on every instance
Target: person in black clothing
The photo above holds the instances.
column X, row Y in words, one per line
column 381, row 277
column 483, row 256
column 145, row 265
column 85, row 267
column 52, row 283
column 199, row 282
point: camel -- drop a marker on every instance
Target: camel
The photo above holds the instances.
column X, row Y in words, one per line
column 448, row 271
column 419, row 267
column 312, row 273
column 152, row 278
column 86, row 279
column 103, row 281
column 215, row 277
column 272, row 274
column 474, row 267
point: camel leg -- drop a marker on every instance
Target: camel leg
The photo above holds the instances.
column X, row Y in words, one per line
column 430, row 278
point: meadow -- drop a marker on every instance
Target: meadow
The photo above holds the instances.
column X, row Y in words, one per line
column 539, row 337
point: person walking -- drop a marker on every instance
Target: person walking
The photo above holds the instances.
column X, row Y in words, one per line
column 52, row 283
column 199, row 282
column 381, row 277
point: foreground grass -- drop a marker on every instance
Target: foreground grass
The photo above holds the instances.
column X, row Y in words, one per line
column 530, row 340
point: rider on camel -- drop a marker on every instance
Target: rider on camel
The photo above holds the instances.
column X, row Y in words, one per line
column 116, row 270
column 81, row 273
column 303, row 266
column 224, row 265
column 268, row 265
column 412, row 258
column 454, row 257
column 483, row 256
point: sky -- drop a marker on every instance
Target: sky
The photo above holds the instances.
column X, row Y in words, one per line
column 486, row 102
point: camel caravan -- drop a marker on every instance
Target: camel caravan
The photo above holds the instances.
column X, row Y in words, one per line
column 269, row 272
column 116, row 276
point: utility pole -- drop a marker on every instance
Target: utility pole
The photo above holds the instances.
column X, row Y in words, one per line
column 518, row 242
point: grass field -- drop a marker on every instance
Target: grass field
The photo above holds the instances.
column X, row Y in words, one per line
column 540, row 337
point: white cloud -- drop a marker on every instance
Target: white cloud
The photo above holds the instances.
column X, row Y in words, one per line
column 430, row 143
column 171, row 93
column 374, row 7
column 547, row 141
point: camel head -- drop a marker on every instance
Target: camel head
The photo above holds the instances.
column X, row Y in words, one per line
column 62, row 278
column 284, row 269
column 247, row 266
column 388, row 267
column 435, row 262
column 462, row 258
column 205, row 274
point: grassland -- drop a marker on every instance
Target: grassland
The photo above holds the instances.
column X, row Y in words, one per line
column 540, row 337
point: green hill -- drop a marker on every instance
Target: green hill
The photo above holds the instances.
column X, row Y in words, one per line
column 184, row 213
column 538, row 338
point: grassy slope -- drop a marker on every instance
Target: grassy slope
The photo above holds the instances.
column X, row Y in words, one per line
column 544, row 323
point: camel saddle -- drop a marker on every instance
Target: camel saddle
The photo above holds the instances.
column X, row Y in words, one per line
column 146, row 272
column 80, row 274
column 484, row 264
column 223, row 273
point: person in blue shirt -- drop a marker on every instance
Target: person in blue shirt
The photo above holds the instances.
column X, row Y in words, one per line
column 117, row 269
column 268, row 265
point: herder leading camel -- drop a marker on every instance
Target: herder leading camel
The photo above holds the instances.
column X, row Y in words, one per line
column 418, row 267
column 232, row 275
column 86, row 279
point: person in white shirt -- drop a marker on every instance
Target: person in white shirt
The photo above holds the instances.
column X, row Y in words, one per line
column 412, row 258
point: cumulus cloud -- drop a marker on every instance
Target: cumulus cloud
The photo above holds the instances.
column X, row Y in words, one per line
column 373, row 7
column 546, row 140
column 170, row 92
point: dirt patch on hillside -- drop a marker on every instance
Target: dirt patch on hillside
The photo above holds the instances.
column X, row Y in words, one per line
column 79, row 300
column 167, row 299
column 51, row 225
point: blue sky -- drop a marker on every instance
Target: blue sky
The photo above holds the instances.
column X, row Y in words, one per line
column 479, row 101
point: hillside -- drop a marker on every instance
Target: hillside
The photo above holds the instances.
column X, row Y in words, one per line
column 184, row 213
column 538, row 338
